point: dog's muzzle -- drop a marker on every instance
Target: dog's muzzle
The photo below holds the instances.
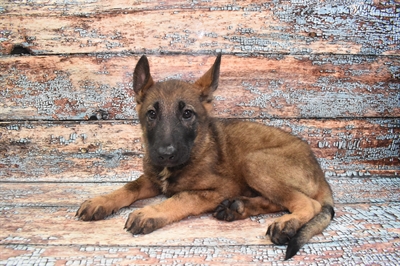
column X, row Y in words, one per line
column 167, row 154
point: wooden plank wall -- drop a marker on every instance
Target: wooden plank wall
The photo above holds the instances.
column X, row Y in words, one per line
column 327, row 71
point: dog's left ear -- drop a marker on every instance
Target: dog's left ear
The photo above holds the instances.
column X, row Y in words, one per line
column 208, row 83
column 142, row 79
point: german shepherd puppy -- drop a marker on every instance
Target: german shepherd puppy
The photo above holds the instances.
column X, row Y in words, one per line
column 202, row 164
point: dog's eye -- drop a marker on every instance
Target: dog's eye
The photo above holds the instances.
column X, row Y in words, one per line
column 187, row 114
column 151, row 115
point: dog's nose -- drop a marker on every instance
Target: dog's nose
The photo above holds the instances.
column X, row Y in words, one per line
column 167, row 153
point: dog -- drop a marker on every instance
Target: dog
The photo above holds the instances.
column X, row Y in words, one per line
column 232, row 168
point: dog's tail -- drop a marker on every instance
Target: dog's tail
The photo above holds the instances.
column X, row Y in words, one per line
column 315, row 226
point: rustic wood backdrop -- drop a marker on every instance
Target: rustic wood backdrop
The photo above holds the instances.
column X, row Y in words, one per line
column 327, row 71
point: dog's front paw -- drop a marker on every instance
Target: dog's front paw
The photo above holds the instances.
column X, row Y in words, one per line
column 281, row 232
column 95, row 209
column 144, row 221
column 230, row 210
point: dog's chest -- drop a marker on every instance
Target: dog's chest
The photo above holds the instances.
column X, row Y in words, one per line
column 164, row 175
column 173, row 182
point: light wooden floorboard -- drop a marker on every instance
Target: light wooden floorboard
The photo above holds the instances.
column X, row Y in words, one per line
column 360, row 233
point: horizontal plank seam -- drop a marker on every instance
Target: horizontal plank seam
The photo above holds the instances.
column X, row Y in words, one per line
column 200, row 53
column 228, row 118
column 341, row 240
column 62, row 182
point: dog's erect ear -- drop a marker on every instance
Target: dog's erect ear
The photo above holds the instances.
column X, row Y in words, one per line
column 208, row 83
column 142, row 79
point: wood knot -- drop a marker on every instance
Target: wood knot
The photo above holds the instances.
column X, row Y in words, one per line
column 99, row 115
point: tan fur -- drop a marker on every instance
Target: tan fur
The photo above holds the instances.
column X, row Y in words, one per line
column 236, row 169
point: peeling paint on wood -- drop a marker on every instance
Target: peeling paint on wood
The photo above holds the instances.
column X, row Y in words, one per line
column 112, row 150
column 71, row 151
column 346, row 240
column 296, row 27
column 333, row 254
column 93, row 87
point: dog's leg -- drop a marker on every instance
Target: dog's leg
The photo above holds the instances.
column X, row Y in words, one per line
column 243, row 207
column 302, row 209
column 179, row 206
column 100, row 207
column 284, row 185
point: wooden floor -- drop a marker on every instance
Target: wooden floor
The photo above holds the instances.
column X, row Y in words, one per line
column 326, row 71
column 39, row 227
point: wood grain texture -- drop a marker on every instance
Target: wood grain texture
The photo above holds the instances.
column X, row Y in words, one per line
column 354, row 190
column 283, row 86
column 111, row 151
column 324, row 254
column 359, row 234
column 300, row 27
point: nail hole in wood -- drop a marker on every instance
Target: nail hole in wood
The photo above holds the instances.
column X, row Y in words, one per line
column 20, row 50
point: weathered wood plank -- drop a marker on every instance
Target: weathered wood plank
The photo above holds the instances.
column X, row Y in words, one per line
column 58, row 226
column 346, row 190
column 326, row 86
column 111, row 151
column 336, row 253
column 70, row 151
column 54, row 8
column 359, row 233
column 351, row 27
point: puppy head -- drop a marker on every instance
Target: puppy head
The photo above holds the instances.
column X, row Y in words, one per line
column 172, row 113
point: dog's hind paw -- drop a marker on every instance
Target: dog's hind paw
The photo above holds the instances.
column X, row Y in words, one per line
column 282, row 232
column 230, row 210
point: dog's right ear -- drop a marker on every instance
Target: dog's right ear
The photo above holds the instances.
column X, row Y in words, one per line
column 142, row 79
